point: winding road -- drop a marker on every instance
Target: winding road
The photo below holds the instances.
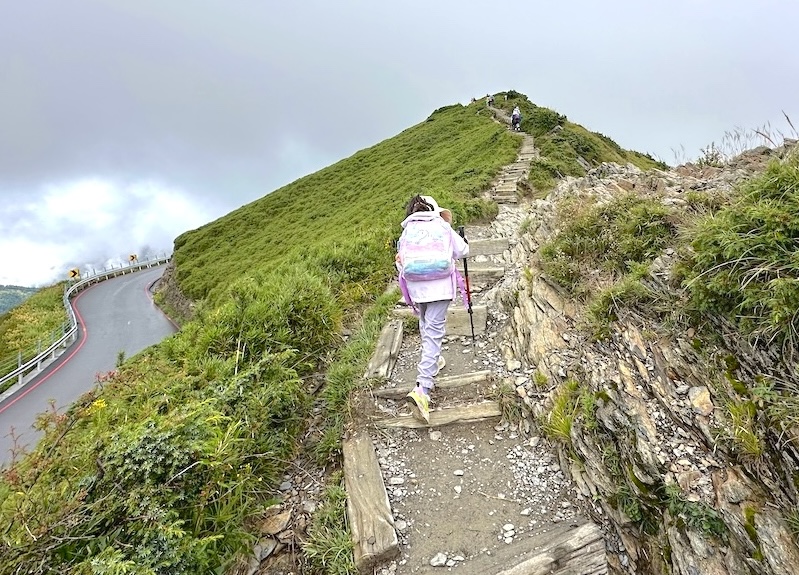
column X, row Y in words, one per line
column 115, row 315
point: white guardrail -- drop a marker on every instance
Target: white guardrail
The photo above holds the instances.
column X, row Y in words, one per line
column 70, row 328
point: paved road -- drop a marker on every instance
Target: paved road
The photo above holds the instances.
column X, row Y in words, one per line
column 114, row 315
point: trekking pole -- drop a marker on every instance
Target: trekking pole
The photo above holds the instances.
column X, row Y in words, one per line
column 468, row 289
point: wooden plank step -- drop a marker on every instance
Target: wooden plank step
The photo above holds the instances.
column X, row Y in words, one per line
column 457, row 318
column 448, row 382
column 564, row 550
column 446, row 416
column 386, row 350
column 487, row 247
column 368, row 510
column 505, row 200
column 480, row 273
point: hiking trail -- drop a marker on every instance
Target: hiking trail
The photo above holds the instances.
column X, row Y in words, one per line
column 475, row 491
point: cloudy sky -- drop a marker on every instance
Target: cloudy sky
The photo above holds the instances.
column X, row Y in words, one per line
column 124, row 123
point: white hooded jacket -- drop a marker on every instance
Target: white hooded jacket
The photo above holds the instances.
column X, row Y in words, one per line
column 441, row 289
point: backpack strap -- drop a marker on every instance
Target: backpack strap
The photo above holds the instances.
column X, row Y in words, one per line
column 406, row 295
column 462, row 287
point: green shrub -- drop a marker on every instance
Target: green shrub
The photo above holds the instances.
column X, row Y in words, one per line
column 614, row 236
column 744, row 263
column 605, row 306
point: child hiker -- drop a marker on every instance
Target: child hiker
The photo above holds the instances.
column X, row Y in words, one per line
column 427, row 250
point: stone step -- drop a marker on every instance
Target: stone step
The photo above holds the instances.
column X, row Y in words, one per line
column 386, row 351
column 368, row 510
column 448, row 382
column 457, row 319
column 562, row 550
column 446, row 416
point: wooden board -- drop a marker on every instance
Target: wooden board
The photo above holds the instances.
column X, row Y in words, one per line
column 457, row 319
column 487, row 247
column 449, row 382
column 565, row 550
column 446, row 416
column 386, row 350
column 481, row 273
column 368, row 510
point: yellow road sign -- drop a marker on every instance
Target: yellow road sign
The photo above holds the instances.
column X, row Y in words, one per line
column 74, row 273
column 133, row 258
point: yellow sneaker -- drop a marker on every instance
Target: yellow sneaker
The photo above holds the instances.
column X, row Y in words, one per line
column 419, row 403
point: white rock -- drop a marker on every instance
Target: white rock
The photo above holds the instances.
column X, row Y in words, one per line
column 458, row 489
column 508, row 527
column 458, row 472
column 439, row 560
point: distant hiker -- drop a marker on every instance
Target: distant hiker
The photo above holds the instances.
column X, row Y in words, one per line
column 489, row 99
column 516, row 119
column 427, row 250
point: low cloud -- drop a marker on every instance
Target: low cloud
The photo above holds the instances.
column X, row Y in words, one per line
column 92, row 224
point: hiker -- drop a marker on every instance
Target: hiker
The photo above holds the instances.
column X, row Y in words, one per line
column 427, row 250
column 489, row 100
column 516, row 118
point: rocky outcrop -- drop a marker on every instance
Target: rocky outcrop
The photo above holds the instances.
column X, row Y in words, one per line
column 177, row 305
column 650, row 451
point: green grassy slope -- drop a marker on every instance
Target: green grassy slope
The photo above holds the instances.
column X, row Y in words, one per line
column 452, row 155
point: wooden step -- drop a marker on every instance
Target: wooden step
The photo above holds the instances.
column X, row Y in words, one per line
column 564, row 550
column 506, row 200
column 446, row 416
column 448, row 382
column 368, row 510
column 457, row 319
column 487, row 247
column 481, row 273
column 506, row 188
column 386, row 351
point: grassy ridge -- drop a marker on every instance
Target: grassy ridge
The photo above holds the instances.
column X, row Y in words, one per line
column 452, row 155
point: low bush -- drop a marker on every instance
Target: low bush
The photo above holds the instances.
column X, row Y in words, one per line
column 744, row 263
column 613, row 237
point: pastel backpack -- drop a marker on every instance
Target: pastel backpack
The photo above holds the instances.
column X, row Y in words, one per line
column 425, row 251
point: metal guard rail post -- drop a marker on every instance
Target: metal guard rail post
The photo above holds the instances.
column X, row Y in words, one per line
column 71, row 326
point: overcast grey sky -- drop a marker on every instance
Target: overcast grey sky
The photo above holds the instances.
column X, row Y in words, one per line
column 124, row 123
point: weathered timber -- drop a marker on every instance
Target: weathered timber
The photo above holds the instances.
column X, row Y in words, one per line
column 446, row 416
column 449, row 382
column 386, row 350
column 487, row 247
column 481, row 273
column 457, row 318
column 565, row 551
column 368, row 510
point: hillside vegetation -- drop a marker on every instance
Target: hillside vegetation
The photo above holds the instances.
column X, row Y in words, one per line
column 31, row 326
column 12, row 296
